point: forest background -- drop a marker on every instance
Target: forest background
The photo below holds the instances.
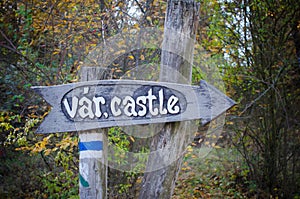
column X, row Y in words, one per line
column 255, row 45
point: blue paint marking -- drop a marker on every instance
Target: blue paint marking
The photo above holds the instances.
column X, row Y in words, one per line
column 92, row 146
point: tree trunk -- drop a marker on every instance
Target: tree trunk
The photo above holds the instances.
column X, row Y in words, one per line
column 177, row 55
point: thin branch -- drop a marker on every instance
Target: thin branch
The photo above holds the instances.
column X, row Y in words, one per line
column 140, row 6
column 262, row 94
column 14, row 50
column 255, row 100
column 9, row 41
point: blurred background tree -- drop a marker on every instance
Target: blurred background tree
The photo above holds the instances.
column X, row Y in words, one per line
column 260, row 40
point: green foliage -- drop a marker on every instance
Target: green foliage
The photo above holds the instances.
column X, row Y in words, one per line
column 124, row 184
column 61, row 184
column 20, row 175
column 48, row 165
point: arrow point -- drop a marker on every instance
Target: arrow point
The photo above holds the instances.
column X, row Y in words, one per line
column 217, row 103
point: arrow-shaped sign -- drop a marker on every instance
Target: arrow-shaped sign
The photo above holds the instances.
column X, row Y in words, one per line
column 106, row 103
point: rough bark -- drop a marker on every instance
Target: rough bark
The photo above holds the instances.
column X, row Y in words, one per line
column 171, row 141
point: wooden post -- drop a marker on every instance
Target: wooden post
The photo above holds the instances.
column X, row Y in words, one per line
column 177, row 56
column 92, row 152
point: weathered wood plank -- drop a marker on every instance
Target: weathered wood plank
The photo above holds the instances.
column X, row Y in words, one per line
column 172, row 140
column 106, row 103
column 92, row 152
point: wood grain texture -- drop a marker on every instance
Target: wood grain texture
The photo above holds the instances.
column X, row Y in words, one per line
column 195, row 102
column 92, row 163
column 177, row 56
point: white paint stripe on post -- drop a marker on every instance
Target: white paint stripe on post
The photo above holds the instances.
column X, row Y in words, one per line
column 84, row 137
column 90, row 154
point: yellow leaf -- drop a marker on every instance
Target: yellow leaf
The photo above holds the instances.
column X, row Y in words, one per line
column 132, row 139
column 47, row 152
column 25, row 148
column 149, row 19
column 189, row 149
column 142, row 57
column 55, row 52
column 136, row 26
column 131, row 57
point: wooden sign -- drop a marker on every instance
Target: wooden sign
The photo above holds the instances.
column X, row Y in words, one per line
column 106, row 103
